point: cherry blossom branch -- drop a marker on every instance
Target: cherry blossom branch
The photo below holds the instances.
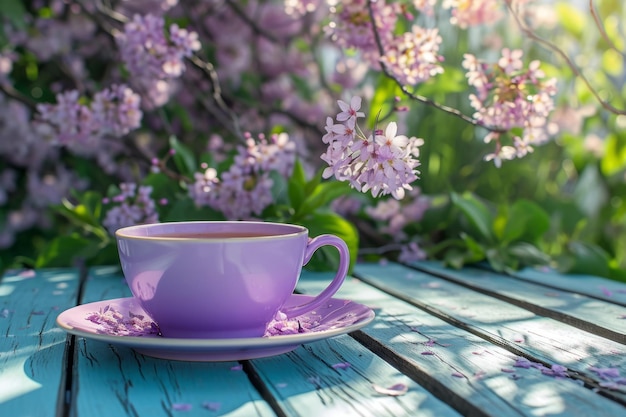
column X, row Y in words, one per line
column 601, row 29
column 551, row 46
column 416, row 97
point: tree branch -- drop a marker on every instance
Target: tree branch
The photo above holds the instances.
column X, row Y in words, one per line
column 412, row 95
column 577, row 72
column 601, row 29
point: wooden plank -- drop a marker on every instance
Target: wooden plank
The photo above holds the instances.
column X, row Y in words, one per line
column 32, row 348
column 458, row 363
column 337, row 377
column 116, row 381
column 518, row 330
column 590, row 314
column 597, row 287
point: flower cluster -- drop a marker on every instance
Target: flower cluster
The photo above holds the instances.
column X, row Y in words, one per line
column 351, row 26
column 245, row 189
column 131, row 206
column 113, row 112
column 511, row 98
column 412, row 56
column 381, row 163
column 152, row 58
column 395, row 216
column 147, row 52
column 467, row 13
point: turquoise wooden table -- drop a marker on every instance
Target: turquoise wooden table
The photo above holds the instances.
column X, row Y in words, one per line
column 443, row 343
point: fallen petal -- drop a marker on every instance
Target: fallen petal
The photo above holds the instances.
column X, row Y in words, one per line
column 341, row 365
column 181, row 407
column 211, row 406
column 394, row 390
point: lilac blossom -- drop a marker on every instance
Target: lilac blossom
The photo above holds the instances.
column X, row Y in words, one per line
column 133, row 205
column 147, row 52
column 116, row 111
column 510, row 97
column 70, row 120
column 154, row 59
column 113, row 112
column 351, row 26
column 473, row 13
column 396, row 215
column 381, row 163
column 245, row 188
column 413, row 57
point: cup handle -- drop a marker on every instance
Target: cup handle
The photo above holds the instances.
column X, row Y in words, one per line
column 344, row 263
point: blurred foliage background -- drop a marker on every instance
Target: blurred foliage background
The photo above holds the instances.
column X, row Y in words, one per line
column 563, row 206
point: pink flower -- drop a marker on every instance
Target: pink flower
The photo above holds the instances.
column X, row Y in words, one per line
column 511, row 61
column 394, row 391
column 381, row 163
column 349, row 111
column 341, row 365
column 181, row 407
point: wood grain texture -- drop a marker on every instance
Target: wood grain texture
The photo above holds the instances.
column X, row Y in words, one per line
column 32, row 348
column 517, row 329
column 116, row 381
column 590, row 314
column 457, row 363
column 597, row 287
column 337, row 377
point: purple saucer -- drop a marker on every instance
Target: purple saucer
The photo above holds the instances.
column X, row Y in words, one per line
column 133, row 328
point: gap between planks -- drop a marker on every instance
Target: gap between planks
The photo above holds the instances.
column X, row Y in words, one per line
column 404, row 366
column 534, row 308
column 66, row 396
column 261, row 387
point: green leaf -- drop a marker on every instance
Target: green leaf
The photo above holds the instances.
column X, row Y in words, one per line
column 528, row 254
column 86, row 214
column 525, row 221
column 295, row 186
column 162, row 186
column 451, row 81
column 585, row 258
column 323, row 194
column 185, row 209
column 63, row 251
column 475, row 251
column 572, row 19
column 331, row 223
column 614, row 156
column 14, row 11
column 478, row 215
column 313, row 182
column 383, row 101
column 183, row 158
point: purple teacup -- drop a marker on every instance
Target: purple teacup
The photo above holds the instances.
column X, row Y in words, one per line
column 220, row 279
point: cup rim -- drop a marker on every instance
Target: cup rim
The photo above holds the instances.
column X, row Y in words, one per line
column 127, row 232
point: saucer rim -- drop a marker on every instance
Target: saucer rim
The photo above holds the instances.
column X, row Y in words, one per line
column 211, row 344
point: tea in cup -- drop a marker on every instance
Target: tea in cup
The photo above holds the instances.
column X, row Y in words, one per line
column 221, row 279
